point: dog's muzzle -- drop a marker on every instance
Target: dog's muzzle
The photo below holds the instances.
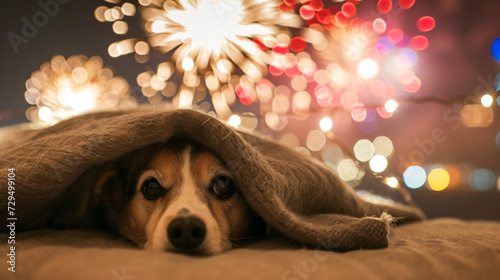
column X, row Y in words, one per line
column 186, row 233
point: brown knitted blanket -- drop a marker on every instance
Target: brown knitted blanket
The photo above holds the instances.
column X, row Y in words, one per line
column 293, row 193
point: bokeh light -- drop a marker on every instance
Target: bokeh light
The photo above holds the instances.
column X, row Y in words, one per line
column 497, row 140
column 391, row 105
column 414, row 177
column 364, row 150
column 120, row 27
column 487, row 100
column 348, row 9
column 455, row 176
column 475, row 115
column 406, row 4
column 383, row 146
column 249, row 121
column 495, row 49
column 326, row 124
column 384, row 6
column 368, row 68
column 392, row 182
column 438, row 179
column 347, row 170
column 395, row 35
column 128, row 9
column 303, row 150
column 234, row 121
column 481, row 179
column 290, row 140
column 45, row 114
column 378, row 163
column 315, row 140
column 332, row 153
column 426, row 23
column 358, row 112
column 419, row 43
column 297, row 44
column 379, row 26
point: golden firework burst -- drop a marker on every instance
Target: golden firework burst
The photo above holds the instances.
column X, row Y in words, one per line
column 65, row 88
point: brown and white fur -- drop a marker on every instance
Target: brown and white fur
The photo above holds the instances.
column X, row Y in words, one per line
column 176, row 196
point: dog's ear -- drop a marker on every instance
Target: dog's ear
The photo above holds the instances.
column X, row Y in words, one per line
column 73, row 203
column 108, row 187
column 108, row 197
column 97, row 190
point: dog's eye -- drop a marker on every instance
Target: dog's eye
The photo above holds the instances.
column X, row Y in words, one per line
column 152, row 190
column 222, row 187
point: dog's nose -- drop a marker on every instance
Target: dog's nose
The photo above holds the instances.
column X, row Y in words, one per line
column 186, row 233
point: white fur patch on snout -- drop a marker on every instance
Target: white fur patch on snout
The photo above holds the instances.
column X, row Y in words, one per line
column 187, row 204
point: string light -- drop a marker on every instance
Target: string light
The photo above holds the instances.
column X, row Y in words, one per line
column 391, row 105
column 316, row 140
column 383, row 146
column 326, row 124
column 234, row 120
column 487, row 100
column 438, row 179
column 481, row 179
column 414, row 177
column 347, row 170
column 378, row 163
column 364, row 150
column 392, row 182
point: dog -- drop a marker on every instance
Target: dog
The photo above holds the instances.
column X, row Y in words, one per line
column 176, row 196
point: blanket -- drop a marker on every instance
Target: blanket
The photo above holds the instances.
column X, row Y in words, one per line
column 442, row 249
column 296, row 195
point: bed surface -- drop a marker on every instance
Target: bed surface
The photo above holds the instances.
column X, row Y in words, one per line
column 436, row 249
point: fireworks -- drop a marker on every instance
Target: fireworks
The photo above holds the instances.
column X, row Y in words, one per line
column 207, row 40
column 349, row 59
column 64, row 88
column 214, row 35
column 355, row 65
column 213, row 39
column 226, row 48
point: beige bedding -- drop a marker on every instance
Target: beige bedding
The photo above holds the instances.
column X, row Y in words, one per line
column 436, row 249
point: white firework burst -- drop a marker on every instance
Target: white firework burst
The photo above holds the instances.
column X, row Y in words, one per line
column 215, row 35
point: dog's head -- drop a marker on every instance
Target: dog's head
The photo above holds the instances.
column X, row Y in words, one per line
column 177, row 197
